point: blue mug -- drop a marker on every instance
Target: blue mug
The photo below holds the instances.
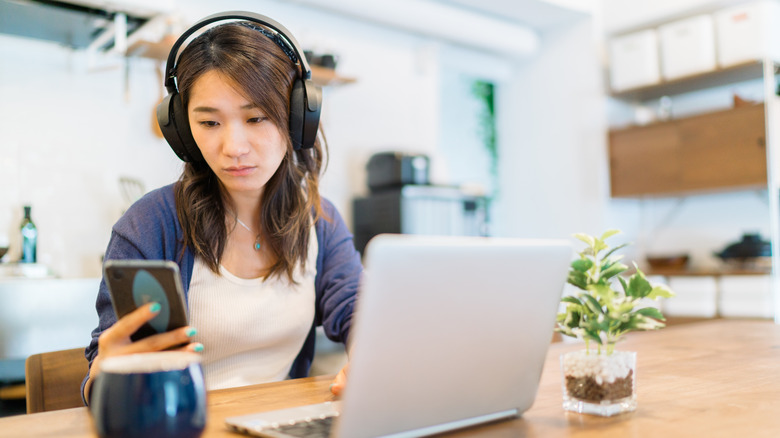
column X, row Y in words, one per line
column 160, row 394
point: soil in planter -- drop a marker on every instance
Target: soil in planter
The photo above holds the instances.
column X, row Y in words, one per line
column 586, row 388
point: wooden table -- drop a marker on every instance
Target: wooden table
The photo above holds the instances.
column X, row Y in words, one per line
column 708, row 379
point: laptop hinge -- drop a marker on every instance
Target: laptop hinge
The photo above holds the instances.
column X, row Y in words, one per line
column 439, row 428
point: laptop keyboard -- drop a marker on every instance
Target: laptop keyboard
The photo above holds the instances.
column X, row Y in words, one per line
column 315, row 428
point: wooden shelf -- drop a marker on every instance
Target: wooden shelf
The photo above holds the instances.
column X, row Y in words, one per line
column 150, row 49
column 326, row 76
column 159, row 50
column 706, row 272
column 721, row 76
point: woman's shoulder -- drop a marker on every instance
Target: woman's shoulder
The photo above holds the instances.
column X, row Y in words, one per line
column 329, row 216
column 327, row 206
column 160, row 197
column 156, row 208
column 331, row 228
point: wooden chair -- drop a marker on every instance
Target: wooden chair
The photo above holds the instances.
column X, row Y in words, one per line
column 53, row 380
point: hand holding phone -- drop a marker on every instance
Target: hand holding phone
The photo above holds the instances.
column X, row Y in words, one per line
column 133, row 283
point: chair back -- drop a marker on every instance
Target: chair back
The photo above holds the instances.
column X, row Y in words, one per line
column 53, row 380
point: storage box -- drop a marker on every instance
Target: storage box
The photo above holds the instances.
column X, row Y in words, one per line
column 748, row 296
column 633, row 60
column 687, row 47
column 748, row 32
column 696, row 296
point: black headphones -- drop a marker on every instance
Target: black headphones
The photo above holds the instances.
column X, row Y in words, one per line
column 305, row 100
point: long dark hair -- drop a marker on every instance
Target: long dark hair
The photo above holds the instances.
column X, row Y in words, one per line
column 291, row 197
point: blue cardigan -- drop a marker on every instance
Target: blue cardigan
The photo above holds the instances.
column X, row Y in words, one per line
column 150, row 229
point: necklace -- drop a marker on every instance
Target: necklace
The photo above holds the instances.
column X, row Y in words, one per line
column 257, row 245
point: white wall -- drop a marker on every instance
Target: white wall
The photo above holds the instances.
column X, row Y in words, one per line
column 553, row 149
column 67, row 133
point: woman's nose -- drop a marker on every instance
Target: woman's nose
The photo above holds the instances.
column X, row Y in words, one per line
column 235, row 143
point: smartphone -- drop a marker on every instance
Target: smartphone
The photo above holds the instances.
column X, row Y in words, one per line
column 133, row 283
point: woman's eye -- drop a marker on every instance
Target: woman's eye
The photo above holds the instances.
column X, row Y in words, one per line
column 257, row 119
column 208, row 123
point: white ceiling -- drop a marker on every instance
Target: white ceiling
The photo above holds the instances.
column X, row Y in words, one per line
column 508, row 27
column 537, row 14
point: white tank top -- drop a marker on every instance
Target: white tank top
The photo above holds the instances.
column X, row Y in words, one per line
column 252, row 330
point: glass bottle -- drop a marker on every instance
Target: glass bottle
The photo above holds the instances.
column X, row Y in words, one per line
column 29, row 238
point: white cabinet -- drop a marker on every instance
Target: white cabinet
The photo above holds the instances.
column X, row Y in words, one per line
column 696, row 296
column 710, row 296
column 746, row 296
column 40, row 315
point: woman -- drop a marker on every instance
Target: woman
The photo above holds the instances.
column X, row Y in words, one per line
column 263, row 258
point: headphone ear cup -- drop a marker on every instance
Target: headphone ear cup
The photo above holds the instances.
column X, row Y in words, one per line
column 168, row 127
column 175, row 127
column 182, row 121
column 311, row 122
column 297, row 114
column 305, row 104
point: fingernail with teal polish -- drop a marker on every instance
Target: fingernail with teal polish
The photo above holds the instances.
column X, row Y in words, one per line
column 331, row 386
column 191, row 332
column 198, row 348
column 155, row 307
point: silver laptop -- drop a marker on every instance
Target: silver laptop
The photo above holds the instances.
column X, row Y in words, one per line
column 449, row 332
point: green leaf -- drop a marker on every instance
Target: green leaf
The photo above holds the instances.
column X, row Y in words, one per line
column 625, row 308
column 660, row 291
column 613, row 270
column 578, row 279
column 593, row 335
column 611, row 251
column 599, row 245
column 607, row 262
column 602, row 291
column 571, row 299
column 589, row 240
column 572, row 319
column 565, row 331
column 651, row 312
column 642, row 322
column 582, row 265
column 592, row 304
column 611, row 259
column 638, row 286
column 601, row 324
column 609, row 233
column 631, row 324
column 625, row 285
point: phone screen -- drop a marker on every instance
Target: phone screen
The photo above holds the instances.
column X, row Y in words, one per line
column 133, row 283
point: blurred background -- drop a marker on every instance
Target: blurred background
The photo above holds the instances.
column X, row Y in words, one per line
column 512, row 118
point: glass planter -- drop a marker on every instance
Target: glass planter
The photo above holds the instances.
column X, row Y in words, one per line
column 599, row 384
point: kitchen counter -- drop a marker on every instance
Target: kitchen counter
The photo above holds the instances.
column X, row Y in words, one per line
column 39, row 315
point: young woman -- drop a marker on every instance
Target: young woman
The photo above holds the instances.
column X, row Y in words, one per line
column 263, row 258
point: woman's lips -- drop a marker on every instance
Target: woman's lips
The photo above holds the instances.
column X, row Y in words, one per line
column 239, row 170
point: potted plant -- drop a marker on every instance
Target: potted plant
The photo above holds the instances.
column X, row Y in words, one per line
column 600, row 380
